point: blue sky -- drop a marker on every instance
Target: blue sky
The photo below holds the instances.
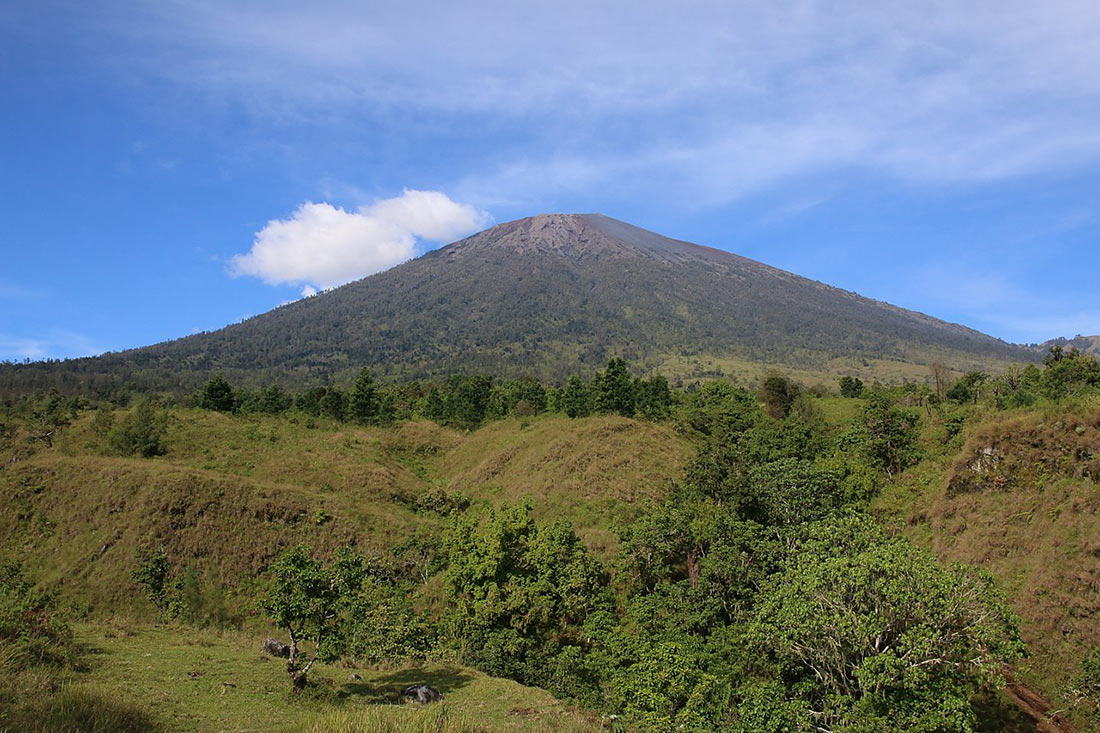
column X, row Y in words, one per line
column 169, row 167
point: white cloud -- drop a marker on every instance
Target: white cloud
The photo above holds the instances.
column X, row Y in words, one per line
column 322, row 246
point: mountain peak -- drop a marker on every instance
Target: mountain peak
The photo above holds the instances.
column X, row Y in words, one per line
column 583, row 236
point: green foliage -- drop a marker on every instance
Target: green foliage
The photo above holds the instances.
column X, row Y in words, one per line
column 1067, row 372
column 217, row 395
column 881, row 637
column 141, row 432
column 791, row 491
column 464, row 401
column 614, row 389
column 518, row 592
column 888, row 434
column 576, row 399
column 308, row 600
column 153, row 575
column 520, row 397
column 333, row 403
column 654, row 398
column 273, row 400
column 665, row 690
column 31, row 630
column 383, row 626
column 967, row 388
column 851, row 386
column 1085, row 687
column 364, row 404
column 778, row 394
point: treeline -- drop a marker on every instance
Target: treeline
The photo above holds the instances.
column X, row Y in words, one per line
column 462, row 401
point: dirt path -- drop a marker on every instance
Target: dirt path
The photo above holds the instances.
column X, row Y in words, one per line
column 1036, row 707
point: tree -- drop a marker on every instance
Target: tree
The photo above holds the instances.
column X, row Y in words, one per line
column 334, row 403
column 307, row 600
column 791, row 491
column 777, row 393
column 576, row 401
column 654, row 398
column 1072, row 370
column 615, row 390
column 851, row 386
column 364, row 404
column 217, row 395
column 881, row 637
column 152, row 573
column 967, row 387
column 274, row 400
column 941, row 376
column 141, row 432
column 889, row 434
column 519, row 591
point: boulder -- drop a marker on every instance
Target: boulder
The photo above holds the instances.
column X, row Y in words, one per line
column 276, row 648
column 421, row 694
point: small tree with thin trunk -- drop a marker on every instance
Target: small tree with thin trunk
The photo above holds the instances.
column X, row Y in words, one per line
column 308, row 601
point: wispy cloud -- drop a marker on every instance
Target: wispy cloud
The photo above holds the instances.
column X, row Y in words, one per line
column 713, row 99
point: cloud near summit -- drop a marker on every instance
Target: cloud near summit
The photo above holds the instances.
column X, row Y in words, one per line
column 322, row 246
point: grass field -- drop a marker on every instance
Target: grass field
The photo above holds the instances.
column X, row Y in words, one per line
column 144, row 677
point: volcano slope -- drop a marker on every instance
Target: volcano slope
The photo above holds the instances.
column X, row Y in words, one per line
column 550, row 295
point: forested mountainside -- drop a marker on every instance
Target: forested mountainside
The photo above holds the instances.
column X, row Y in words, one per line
column 547, row 296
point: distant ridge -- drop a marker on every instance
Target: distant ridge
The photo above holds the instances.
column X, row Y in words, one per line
column 549, row 295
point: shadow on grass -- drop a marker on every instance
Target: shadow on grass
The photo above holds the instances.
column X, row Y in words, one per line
column 81, row 710
column 387, row 689
column 998, row 714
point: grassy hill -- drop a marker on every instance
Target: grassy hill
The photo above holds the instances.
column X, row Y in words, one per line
column 1020, row 496
column 231, row 492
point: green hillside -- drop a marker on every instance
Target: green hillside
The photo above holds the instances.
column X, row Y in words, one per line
column 692, row 566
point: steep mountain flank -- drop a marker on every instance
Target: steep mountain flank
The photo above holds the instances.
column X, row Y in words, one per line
column 550, row 295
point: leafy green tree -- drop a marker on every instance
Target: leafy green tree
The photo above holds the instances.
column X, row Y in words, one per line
column 778, row 394
column 104, row 419
column 364, row 404
column 520, row 397
column 1070, row 371
column 308, row 600
column 466, row 400
column 334, row 403
column 655, row 398
column 274, row 400
column 881, row 637
column 967, row 388
column 576, row 400
column 141, row 432
column 614, row 389
column 791, row 491
column 851, row 386
column 665, row 690
column 217, row 395
column 519, row 592
column 431, row 405
column 889, row 434
column 720, row 410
